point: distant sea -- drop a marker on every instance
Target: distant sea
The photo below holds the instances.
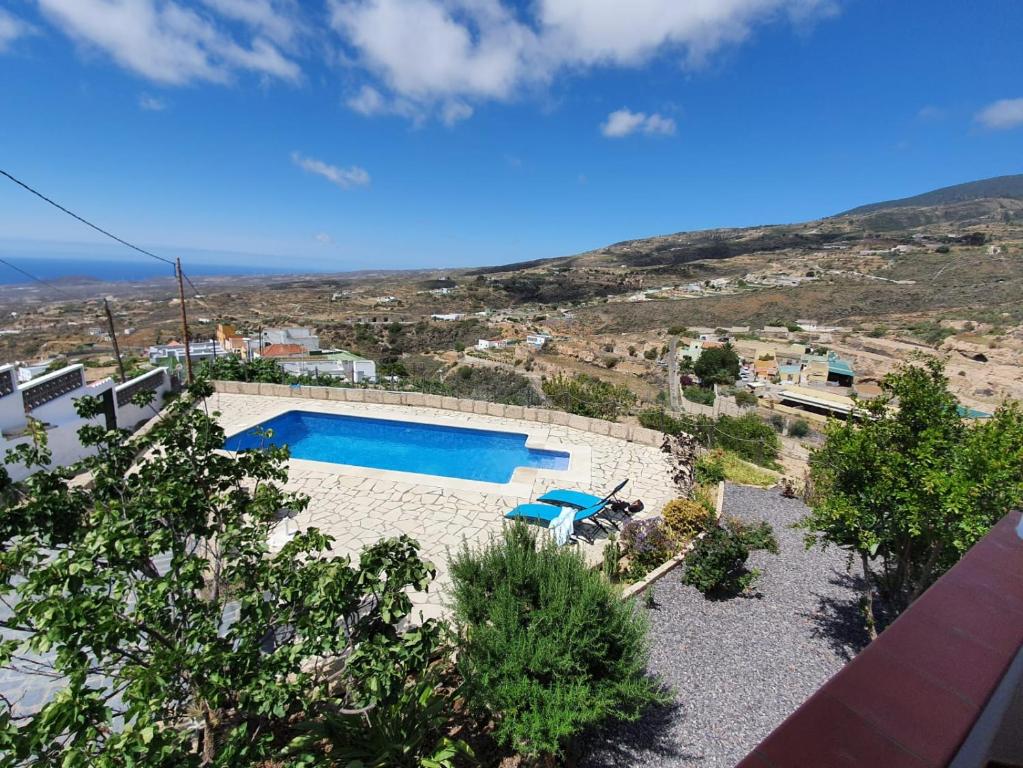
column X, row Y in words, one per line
column 59, row 270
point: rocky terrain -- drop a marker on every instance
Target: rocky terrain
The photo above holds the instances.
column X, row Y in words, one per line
column 941, row 272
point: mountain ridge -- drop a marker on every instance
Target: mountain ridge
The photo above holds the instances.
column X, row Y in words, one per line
column 997, row 187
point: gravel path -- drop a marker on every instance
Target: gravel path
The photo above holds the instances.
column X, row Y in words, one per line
column 739, row 667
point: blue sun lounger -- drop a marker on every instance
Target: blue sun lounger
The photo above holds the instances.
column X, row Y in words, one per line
column 546, row 514
column 566, row 498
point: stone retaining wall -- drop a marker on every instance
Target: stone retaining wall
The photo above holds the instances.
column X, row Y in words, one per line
column 632, row 433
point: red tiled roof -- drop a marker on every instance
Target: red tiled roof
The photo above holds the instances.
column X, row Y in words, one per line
column 911, row 698
column 283, row 350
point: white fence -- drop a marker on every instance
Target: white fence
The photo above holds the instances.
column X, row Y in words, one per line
column 50, row 400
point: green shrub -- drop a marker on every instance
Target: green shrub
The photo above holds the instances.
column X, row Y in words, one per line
column 647, row 544
column 754, row 535
column 588, row 396
column 612, row 559
column 684, row 518
column 650, row 354
column 717, row 565
column 548, row 648
column 495, row 385
column 777, row 421
column 749, row 437
column 745, row 399
column 408, row 732
column 710, row 468
column 699, row 395
column 799, row 428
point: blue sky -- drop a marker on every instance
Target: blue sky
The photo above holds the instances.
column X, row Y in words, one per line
column 350, row 134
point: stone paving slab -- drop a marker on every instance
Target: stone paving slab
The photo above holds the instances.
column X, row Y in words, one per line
column 358, row 507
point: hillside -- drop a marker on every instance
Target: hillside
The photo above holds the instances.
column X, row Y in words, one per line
column 999, row 187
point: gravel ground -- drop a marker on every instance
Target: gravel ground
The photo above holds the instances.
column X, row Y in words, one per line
column 738, row 667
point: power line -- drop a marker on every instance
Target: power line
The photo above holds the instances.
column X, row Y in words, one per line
column 102, row 231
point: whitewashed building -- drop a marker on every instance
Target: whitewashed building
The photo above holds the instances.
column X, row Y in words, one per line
column 50, row 400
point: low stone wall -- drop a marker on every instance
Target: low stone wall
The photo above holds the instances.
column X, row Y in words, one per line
column 630, row 432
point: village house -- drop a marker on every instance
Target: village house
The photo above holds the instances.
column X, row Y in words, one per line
column 484, row 344
column 304, row 337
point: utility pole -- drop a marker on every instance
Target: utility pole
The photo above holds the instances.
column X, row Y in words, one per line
column 673, row 373
column 184, row 321
column 113, row 338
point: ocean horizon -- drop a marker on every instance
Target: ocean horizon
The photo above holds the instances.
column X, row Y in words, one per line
column 57, row 269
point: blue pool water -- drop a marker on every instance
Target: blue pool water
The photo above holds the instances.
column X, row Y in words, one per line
column 429, row 449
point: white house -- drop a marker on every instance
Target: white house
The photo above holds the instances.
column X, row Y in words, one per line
column 304, row 337
column 451, row 317
column 537, row 340
column 492, row 343
column 197, row 350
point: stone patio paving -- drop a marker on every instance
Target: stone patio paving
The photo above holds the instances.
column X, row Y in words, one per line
column 360, row 506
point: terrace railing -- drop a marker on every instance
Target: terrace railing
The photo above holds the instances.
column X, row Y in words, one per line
column 7, row 383
column 151, row 382
column 49, row 389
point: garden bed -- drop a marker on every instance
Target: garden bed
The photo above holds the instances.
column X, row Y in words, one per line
column 738, row 667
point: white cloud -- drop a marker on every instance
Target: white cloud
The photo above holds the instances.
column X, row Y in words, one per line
column 1002, row 115
column 623, row 122
column 11, row 28
column 166, row 42
column 275, row 19
column 930, row 113
column 152, row 103
column 324, row 238
column 346, row 178
column 368, row 101
column 455, row 111
column 429, row 52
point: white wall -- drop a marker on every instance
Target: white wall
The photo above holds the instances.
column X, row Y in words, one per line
column 129, row 415
column 12, row 407
column 61, row 420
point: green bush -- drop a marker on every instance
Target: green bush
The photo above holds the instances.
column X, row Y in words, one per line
column 495, row 385
column 799, row 428
column 777, row 421
column 749, row 437
column 717, row 565
column 406, row 732
column 651, row 353
column 754, row 535
column 647, row 544
column 588, row 396
column 685, row 518
column 548, row 648
column 745, row 399
column 710, row 468
column 746, row 436
column 699, row 395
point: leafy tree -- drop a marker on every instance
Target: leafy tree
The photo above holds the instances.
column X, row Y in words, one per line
column 910, row 486
column 232, row 368
column 588, row 396
column 717, row 365
column 153, row 589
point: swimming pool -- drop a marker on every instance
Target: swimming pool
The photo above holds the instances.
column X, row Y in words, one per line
column 404, row 446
